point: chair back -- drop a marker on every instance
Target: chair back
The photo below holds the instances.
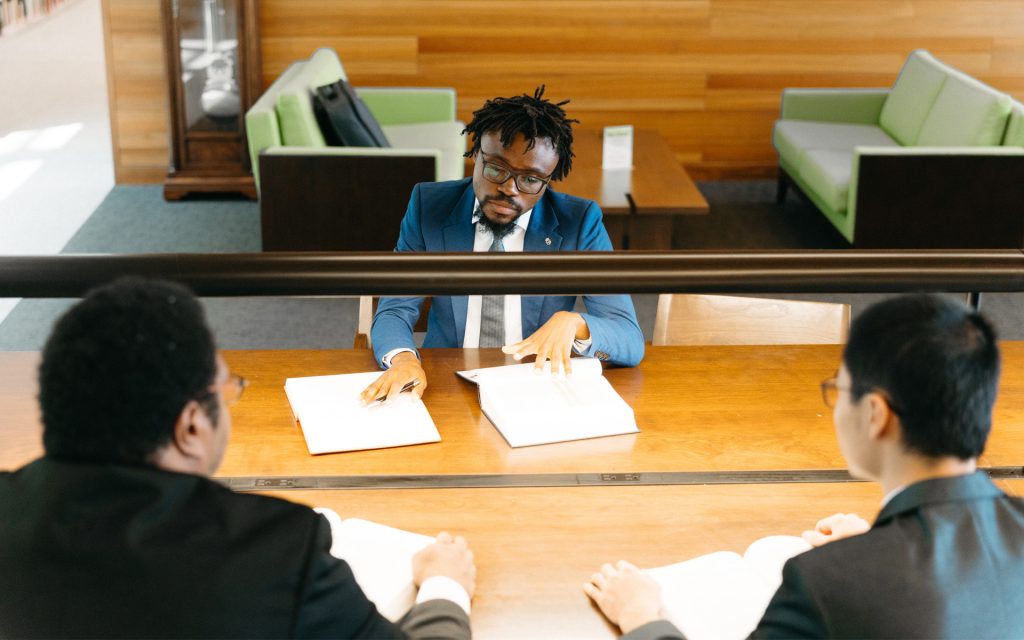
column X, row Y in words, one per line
column 368, row 307
column 684, row 319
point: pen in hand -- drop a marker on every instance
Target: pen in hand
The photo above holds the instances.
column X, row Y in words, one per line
column 406, row 387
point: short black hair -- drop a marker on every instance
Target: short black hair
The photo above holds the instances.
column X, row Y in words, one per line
column 937, row 361
column 119, row 368
column 533, row 117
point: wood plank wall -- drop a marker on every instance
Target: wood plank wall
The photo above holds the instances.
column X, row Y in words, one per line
column 706, row 73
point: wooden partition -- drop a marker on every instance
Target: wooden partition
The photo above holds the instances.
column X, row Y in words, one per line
column 705, row 73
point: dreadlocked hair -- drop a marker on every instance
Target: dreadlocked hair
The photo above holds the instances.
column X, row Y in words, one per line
column 533, row 117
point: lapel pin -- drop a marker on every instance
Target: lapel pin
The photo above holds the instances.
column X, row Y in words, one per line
column 547, row 241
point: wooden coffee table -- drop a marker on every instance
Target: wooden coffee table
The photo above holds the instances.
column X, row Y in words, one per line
column 639, row 203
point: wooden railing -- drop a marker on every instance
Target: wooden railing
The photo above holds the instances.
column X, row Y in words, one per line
column 349, row 274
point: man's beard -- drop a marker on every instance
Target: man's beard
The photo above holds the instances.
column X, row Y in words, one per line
column 499, row 230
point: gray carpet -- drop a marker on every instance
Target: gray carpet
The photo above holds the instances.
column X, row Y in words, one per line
column 136, row 219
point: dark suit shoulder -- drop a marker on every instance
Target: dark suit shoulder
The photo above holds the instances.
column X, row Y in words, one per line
column 934, row 564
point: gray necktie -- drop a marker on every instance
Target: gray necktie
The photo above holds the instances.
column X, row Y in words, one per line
column 492, row 312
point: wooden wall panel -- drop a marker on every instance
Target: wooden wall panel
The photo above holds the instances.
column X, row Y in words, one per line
column 706, row 73
column 137, row 85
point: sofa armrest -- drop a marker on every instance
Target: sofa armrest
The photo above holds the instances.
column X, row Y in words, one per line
column 261, row 132
column 409, row 105
column 855, row 106
column 937, row 197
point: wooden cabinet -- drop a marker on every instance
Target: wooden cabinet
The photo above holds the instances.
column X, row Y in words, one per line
column 213, row 70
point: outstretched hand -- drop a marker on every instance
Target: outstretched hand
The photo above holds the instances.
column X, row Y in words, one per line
column 448, row 556
column 836, row 527
column 626, row 595
column 552, row 342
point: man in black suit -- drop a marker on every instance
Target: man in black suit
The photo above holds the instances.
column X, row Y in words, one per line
column 945, row 557
column 117, row 531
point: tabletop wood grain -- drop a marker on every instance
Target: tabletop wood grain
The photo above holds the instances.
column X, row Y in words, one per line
column 535, row 547
column 698, row 409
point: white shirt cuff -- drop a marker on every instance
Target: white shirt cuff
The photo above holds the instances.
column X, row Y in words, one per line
column 581, row 346
column 443, row 588
column 386, row 360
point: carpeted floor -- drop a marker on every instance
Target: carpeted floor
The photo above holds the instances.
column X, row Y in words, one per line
column 136, row 219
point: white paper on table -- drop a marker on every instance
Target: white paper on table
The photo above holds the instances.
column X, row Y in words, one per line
column 529, row 408
column 333, row 417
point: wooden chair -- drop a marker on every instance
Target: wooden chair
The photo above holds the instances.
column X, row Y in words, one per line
column 685, row 319
column 368, row 307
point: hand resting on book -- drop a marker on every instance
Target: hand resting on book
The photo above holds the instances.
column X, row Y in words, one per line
column 836, row 527
column 553, row 342
column 405, row 368
column 626, row 595
column 449, row 557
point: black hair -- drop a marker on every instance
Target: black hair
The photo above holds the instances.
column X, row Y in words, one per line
column 937, row 361
column 119, row 368
column 533, row 117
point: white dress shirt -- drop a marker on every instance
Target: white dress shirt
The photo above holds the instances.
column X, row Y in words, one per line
column 482, row 240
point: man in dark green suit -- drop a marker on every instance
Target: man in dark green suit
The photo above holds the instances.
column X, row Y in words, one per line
column 119, row 532
column 945, row 558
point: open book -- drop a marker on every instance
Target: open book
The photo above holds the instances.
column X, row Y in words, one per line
column 722, row 596
column 529, row 408
column 381, row 560
column 333, row 417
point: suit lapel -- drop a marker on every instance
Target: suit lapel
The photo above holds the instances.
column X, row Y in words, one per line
column 541, row 236
column 458, row 236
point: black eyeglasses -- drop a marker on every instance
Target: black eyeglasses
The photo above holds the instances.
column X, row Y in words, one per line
column 525, row 182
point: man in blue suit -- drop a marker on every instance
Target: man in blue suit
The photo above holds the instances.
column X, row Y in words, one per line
column 912, row 406
column 520, row 146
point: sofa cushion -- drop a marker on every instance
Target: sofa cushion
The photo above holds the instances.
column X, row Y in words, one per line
column 295, row 99
column 965, row 113
column 446, row 136
column 827, row 173
column 793, row 138
column 912, row 96
column 1014, row 136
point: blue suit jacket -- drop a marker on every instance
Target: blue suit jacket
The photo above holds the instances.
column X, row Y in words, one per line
column 440, row 218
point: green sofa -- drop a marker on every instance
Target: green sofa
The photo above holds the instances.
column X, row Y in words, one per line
column 937, row 161
column 319, row 198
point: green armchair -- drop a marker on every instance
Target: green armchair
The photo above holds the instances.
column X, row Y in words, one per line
column 319, row 198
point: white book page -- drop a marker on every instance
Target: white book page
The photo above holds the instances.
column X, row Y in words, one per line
column 766, row 556
column 530, row 409
column 581, row 367
column 381, row 560
column 333, row 417
column 712, row 597
column 721, row 596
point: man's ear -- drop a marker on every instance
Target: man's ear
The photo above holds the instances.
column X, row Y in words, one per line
column 882, row 418
column 188, row 428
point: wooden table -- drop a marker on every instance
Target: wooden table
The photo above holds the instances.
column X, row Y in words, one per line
column 534, row 548
column 639, row 204
column 700, row 409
